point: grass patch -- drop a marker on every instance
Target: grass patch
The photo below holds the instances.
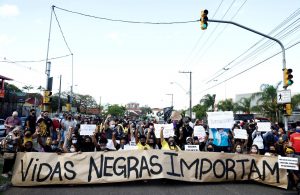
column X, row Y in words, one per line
column 3, row 180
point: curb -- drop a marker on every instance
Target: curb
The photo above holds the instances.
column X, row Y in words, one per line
column 4, row 187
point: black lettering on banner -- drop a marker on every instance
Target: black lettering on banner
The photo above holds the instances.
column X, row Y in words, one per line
column 243, row 166
column 182, row 162
column 123, row 168
column 144, row 166
column 275, row 169
column 172, row 164
column 202, row 171
column 93, row 165
column 231, row 168
column 69, row 170
column 132, row 168
column 106, row 174
column 34, row 169
column 253, row 165
column 155, row 165
column 38, row 179
column 215, row 168
column 57, row 170
column 27, row 169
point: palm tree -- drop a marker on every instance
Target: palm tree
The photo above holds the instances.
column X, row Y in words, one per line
column 244, row 105
column 267, row 101
column 28, row 88
column 226, row 105
column 208, row 101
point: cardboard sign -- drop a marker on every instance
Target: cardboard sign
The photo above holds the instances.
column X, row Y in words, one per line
column 220, row 119
column 130, row 147
column 191, row 148
column 168, row 130
column 34, row 169
column 288, row 163
column 240, row 134
column 86, row 129
column 199, row 132
column 263, row 126
column 220, row 136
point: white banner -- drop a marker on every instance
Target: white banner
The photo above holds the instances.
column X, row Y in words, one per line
column 220, row 119
column 199, row 132
column 288, row 163
column 86, row 129
column 263, row 126
column 240, row 134
column 168, row 130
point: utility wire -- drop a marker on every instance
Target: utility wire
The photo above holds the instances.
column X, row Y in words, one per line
column 250, row 67
column 33, row 61
column 62, row 33
column 292, row 16
column 125, row 21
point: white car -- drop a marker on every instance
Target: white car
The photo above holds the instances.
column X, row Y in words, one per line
column 2, row 127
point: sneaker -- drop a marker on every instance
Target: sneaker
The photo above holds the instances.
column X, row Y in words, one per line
column 5, row 175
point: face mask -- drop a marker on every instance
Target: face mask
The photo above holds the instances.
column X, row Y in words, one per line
column 112, row 126
column 48, row 142
column 28, row 149
column 238, row 150
column 257, row 133
column 210, row 149
column 272, row 151
column 74, row 141
column 69, row 118
column 254, row 151
column 33, row 114
column 298, row 130
column 102, row 148
column 72, row 150
column 171, row 143
column 27, row 135
column 279, row 133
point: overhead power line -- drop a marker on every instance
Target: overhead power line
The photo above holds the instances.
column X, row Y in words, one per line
column 125, row 21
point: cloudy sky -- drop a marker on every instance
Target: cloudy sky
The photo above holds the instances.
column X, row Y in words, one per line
column 129, row 62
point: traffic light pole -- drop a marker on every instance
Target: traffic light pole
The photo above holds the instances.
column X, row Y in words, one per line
column 267, row 36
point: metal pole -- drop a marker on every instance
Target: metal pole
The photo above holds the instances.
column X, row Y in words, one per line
column 59, row 94
column 269, row 37
column 190, row 107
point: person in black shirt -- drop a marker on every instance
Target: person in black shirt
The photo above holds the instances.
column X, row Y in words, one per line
column 45, row 124
column 30, row 121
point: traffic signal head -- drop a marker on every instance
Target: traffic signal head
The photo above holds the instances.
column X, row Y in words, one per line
column 47, row 97
column 288, row 77
column 204, row 19
column 288, row 109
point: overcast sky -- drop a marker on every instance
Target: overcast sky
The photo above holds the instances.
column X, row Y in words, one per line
column 125, row 62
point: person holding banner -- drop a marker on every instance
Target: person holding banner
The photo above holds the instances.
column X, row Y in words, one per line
column 141, row 141
column 238, row 148
column 123, row 142
column 151, row 139
column 170, row 145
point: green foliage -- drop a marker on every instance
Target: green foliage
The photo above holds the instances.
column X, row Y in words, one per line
column 226, row 105
column 116, row 110
column 11, row 87
column 208, row 101
column 200, row 111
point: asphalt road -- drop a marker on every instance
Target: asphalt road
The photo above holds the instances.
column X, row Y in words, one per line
column 156, row 187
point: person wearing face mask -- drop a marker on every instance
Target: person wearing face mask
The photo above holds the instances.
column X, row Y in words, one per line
column 170, row 145
column 50, row 145
column 295, row 140
column 210, row 148
column 151, row 139
column 293, row 175
column 238, row 148
column 258, row 140
column 271, row 152
column 67, row 124
column 46, row 126
column 87, row 145
column 254, row 150
column 123, row 142
column 102, row 145
column 141, row 141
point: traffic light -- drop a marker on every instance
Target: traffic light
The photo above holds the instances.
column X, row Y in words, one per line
column 288, row 109
column 288, row 77
column 204, row 19
column 47, row 97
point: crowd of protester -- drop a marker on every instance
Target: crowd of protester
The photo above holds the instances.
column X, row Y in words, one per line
column 56, row 135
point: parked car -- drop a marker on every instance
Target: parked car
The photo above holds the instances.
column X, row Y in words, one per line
column 2, row 127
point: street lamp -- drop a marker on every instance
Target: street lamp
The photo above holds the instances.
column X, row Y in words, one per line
column 171, row 94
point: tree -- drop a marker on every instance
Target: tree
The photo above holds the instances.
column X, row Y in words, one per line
column 209, row 102
column 200, row 111
column 84, row 102
column 27, row 87
column 244, row 105
column 116, row 110
column 226, row 105
column 11, row 87
column 296, row 101
column 267, row 101
column 145, row 111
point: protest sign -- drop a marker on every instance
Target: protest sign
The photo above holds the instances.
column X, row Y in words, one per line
column 86, row 129
column 288, row 163
column 263, row 126
column 220, row 119
column 191, row 148
column 168, row 130
column 240, row 134
column 130, row 147
column 199, row 132
column 33, row 168
column 220, row 136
